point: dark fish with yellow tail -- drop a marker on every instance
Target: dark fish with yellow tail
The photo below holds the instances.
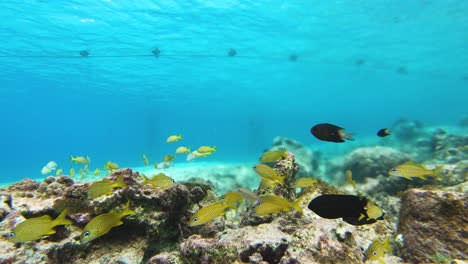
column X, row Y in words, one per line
column 329, row 132
column 383, row 132
column 353, row 209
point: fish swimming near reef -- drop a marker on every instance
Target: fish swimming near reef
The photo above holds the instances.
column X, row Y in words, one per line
column 353, row 209
column 80, row 160
column 49, row 167
column 248, row 194
column 72, row 173
column 268, row 173
column 232, row 197
column 349, row 179
column 172, row 139
column 182, row 150
column 272, row 156
column 111, row 166
column 35, row 228
column 383, row 132
column 59, row 172
column 411, row 169
column 161, row 180
column 105, row 186
column 96, row 172
column 103, row 223
column 145, row 159
column 208, row 213
column 304, row 182
column 163, row 165
column 329, row 132
column 168, row 158
column 206, row 149
column 276, row 204
column 376, row 250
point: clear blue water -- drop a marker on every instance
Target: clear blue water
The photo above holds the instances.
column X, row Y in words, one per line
column 115, row 108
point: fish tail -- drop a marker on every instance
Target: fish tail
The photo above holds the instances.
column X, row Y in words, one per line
column 386, row 245
column 145, row 179
column 296, row 204
column 422, row 177
column 180, row 136
column 214, row 148
column 436, row 172
column 126, row 210
column 71, row 158
column 119, row 182
column 348, row 136
column 231, row 205
column 62, row 218
column 281, row 180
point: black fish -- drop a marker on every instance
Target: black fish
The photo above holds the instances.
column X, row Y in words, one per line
column 349, row 207
column 329, row 132
column 334, row 206
column 383, row 132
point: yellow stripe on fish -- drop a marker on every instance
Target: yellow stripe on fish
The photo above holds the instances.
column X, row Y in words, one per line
column 276, row 204
column 411, row 169
column 105, row 186
column 208, row 213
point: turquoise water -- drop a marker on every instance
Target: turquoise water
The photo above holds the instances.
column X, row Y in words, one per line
column 115, row 104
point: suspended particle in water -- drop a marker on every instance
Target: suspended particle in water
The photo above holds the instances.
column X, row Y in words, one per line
column 84, row 53
column 402, row 70
column 156, row 52
column 293, row 57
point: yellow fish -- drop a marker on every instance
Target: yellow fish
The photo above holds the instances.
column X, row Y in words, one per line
column 72, row 173
column 172, row 139
column 349, row 179
column 376, row 250
column 145, row 159
column 275, row 204
column 271, row 156
column 80, row 160
column 304, row 182
column 96, row 172
column 267, row 172
column 104, row 186
column 161, row 180
column 34, row 228
column 81, row 172
column 51, row 165
column 206, row 149
column 232, row 198
column 59, row 172
column 410, row 169
column 182, row 150
column 86, row 169
column 103, row 223
column 111, row 167
column 168, row 158
column 208, row 213
column 197, row 154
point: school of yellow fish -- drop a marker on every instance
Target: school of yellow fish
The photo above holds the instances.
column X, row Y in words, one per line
column 39, row 227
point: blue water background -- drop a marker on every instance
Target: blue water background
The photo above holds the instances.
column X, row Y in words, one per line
column 115, row 108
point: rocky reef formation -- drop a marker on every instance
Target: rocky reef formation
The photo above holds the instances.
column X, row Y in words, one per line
column 433, row 226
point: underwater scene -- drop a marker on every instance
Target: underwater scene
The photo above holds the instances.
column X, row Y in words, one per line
column 206, row 132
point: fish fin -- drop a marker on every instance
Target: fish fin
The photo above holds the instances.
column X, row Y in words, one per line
column 436, row 173
column 180, row 136
column 214, row 148
column 62, row 218
column 119, row 182
column 422, row 177
column 406, row 177
column 145, row 179
column 281, row 181
column 386, row 245
column 296, row 204
column 231, row 205
column 381, row 261
column 71, row 158
column 50, row 232
column 412, row 163
column 126, row 210
column 361, row 217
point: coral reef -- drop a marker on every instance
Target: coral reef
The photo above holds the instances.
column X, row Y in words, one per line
column 433, row 225
column 306, row 159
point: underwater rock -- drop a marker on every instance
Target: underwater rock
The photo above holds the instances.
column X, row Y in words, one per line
column 304, row 157
column 166, row 258
column 407, row 130
column 432, row 224
column 368, row 162
column 26, row 185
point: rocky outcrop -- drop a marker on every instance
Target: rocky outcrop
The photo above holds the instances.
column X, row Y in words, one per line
column 433, row 224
